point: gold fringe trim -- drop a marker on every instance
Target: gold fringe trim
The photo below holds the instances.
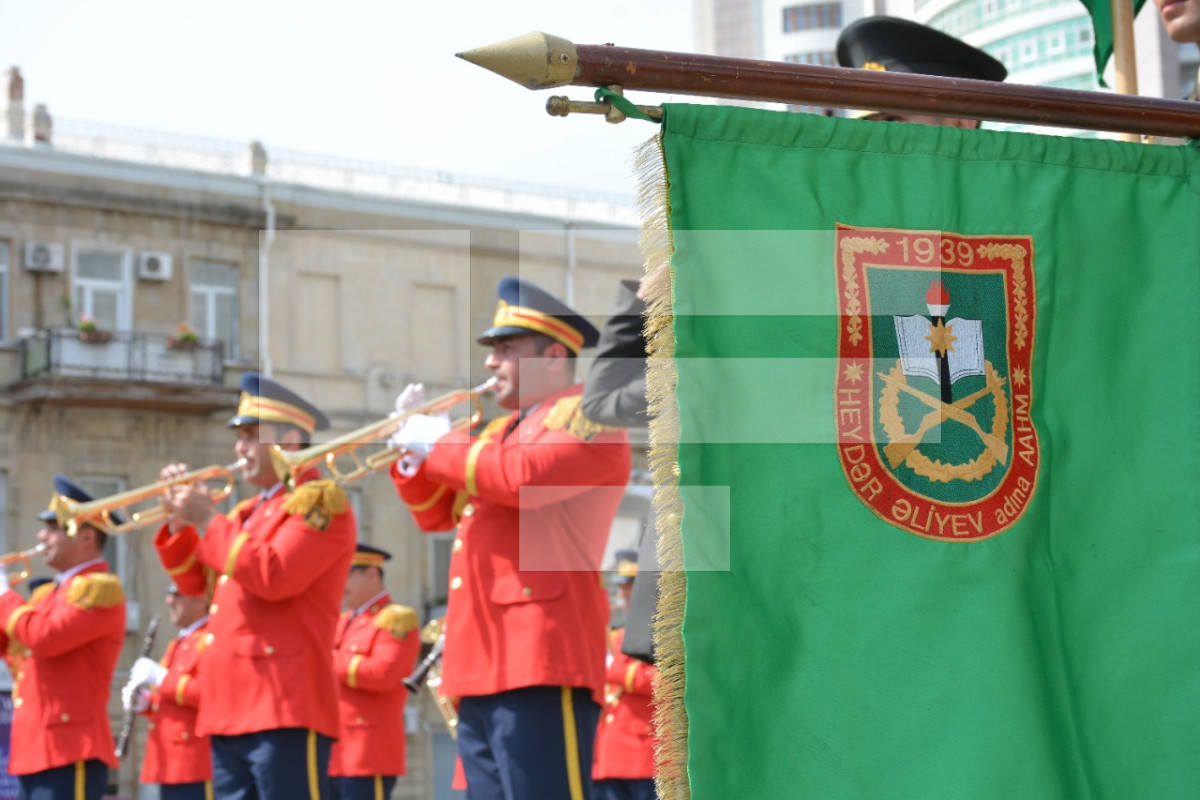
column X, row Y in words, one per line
column 318, row 502
column 40, row 592
column 670, row 715
column 397, row 620
column 96, row 590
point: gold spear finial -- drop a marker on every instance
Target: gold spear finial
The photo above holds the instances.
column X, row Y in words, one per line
column 535, row 60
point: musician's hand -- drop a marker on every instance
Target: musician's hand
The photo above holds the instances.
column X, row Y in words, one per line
column 186, row 503
column 135, row 698
column 412, row 396
column 147, row 671
column 418, row 435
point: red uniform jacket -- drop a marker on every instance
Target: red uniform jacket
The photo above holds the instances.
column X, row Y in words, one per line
column 72, row 638
column 282, row 564
column 372, row 654
column 175, row 753
column 527, row 607
column 625, row 739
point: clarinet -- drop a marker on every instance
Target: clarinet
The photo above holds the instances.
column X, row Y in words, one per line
column 416, row 680
column 127, row 723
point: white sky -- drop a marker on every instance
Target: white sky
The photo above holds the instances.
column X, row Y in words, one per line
column 364, row 79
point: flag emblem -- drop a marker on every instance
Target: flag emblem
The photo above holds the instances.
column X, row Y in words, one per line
column 934, row 385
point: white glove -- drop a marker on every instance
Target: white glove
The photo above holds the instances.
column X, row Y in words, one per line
column 4, row 587
column 135, row 698
column 418, row 434
column 147, row 671
column 412, row 396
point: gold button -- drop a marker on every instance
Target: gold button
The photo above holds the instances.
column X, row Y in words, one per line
column 456, row 583
column 353, row 648
column 18, row 702
column 65, row 717
column 183, row 735
column 468, row 510
column 269, row 650
column 609, row 719
column 458, row 545
column 212, row 609
column 223, row 579
column 208, row 638
column 525, row 590
column 359, row 720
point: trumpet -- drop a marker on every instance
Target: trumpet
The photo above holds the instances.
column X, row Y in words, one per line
column 81, row 513
column 289, row 464
column 25, row 559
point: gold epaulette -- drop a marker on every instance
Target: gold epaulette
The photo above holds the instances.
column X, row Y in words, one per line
column 318, row 501
column 495, row 427
column 96, row 590
column 40, row 592
column 567, row 416
column 249, row 501
column 397, row 620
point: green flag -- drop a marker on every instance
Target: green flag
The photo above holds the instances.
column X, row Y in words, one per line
column 1102, row 27
column 928, row 453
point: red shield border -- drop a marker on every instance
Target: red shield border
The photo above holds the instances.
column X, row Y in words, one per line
column 855, row 401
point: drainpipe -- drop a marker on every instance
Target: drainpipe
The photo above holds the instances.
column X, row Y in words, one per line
column 572, row 263
column 258, row 168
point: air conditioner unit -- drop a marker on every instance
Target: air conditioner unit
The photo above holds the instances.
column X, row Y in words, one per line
column 44, row 257
column 154, row 266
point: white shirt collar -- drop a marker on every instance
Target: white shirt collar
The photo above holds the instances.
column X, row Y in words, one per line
column 63, row 577
column 369, row 603
column 193, row 626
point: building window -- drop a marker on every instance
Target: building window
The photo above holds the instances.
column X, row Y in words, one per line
column 817, row 16
column 820, row 58
column 103, row 287
column 4, row 262
column 440, row 547
column 213, row 303
column 117, row 550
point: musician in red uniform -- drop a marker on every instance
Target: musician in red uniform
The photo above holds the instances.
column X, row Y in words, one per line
column 374, row 650
column 268, row 698
column 534, row 497
column 624, row 765
column 177, row 758
column 70, row 638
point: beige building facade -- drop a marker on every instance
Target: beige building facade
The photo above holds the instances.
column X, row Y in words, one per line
column 344, row 294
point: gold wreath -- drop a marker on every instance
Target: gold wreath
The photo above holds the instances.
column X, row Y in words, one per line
column 893, row 426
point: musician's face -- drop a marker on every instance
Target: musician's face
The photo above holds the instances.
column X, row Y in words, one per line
column 63, row 552
column 527, row 370
column 362, row 584
column 183, row 610
column 254, row 442
column 1181, row 18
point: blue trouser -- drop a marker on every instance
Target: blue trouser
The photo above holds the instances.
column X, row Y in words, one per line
column 201, row 790
column 625, row 789
column 280, row 764
column 83, row 779
column 376, row 787
column 528, row 744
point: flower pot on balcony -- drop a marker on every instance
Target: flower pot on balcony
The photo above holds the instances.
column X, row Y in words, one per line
column 182, row 344
column 95, row 337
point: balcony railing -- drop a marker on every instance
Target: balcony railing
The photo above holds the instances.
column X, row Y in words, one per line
column 69, row 353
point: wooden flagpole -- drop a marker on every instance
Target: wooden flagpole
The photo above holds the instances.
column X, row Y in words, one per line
column 542, row 61
column 1124, row 52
